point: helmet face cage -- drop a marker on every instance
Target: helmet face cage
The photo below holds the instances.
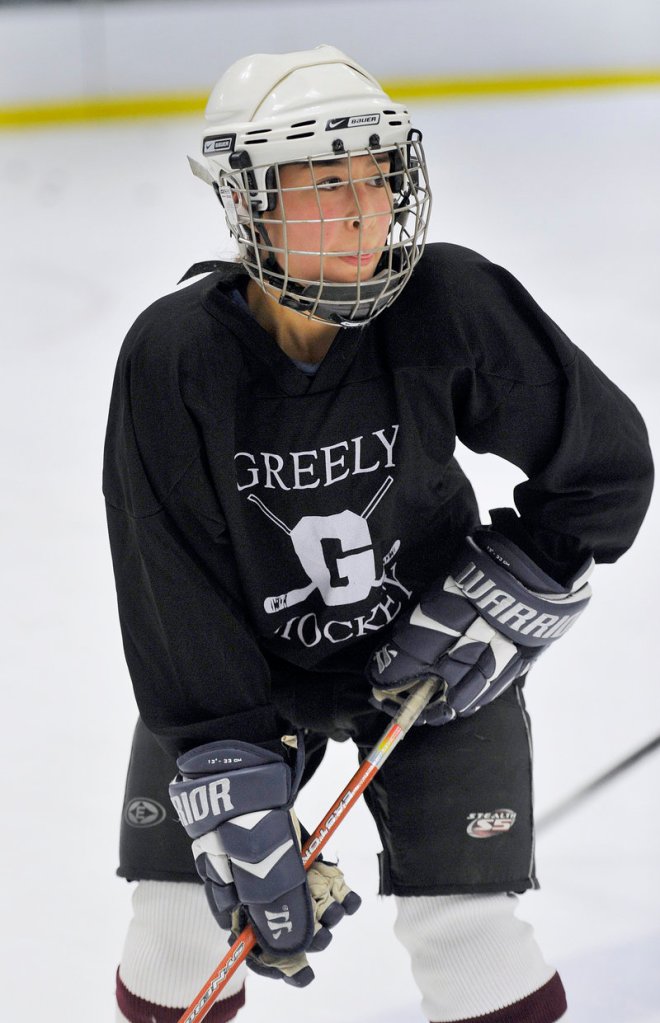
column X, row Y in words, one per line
column 255, row 204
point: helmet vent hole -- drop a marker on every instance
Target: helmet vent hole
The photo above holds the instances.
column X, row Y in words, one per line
column 300, row 135
column 302, row 124
column 258, row 131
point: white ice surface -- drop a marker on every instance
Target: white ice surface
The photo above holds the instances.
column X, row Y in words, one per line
column 96, row 223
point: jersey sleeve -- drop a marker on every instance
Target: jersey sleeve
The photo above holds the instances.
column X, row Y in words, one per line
column 197, row 671
column 538, row 401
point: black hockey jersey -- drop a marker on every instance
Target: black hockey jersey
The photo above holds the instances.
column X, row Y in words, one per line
column 257, row 514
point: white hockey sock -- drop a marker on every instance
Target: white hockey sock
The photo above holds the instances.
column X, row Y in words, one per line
column 173, row 944
column 472, row 957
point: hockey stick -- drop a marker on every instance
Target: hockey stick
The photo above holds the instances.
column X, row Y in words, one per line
column 390, row 738
column 568, row 804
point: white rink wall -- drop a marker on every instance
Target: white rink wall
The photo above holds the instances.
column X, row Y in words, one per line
column 66, row 51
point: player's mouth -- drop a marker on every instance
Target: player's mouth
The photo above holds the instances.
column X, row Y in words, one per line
column 363, row 260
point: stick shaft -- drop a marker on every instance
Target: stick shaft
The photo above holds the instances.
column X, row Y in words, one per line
column 388, row 741
column 576, row 798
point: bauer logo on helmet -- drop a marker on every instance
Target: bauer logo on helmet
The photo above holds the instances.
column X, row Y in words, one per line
column 357, row 121
column 218, row 144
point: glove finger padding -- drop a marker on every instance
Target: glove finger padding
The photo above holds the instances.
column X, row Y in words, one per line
column 332, row 899
column 214, row 868
column 292, row 969
column 269, row 877
column 479, row 630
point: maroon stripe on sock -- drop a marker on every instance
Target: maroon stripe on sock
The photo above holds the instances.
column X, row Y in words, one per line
column 543, row 1006
column 139, row 1010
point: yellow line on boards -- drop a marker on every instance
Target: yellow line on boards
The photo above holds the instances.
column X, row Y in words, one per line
column 101, row 108
column 443, row 88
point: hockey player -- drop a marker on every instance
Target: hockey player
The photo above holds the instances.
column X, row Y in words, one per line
column 295, row 547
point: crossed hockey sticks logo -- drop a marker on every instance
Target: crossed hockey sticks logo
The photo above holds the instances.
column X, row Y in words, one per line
column 336, row 553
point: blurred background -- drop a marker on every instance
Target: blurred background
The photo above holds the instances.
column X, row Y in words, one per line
column 541, row 125
column 134, row 52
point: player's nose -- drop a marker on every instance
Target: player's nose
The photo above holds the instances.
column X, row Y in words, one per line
column 366, row 206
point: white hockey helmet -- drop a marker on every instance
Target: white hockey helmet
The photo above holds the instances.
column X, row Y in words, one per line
column 312, row 105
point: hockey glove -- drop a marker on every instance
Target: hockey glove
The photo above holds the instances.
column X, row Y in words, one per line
column 479, row 630
column 235, row 801
column 332, row 899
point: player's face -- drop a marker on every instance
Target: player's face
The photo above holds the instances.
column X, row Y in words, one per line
column 333, row 218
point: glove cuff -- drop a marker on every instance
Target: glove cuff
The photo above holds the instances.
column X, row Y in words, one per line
column 222, row 780
column 507, row 554
column 490, row 581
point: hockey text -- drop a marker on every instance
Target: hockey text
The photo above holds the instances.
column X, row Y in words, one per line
column 308, row 630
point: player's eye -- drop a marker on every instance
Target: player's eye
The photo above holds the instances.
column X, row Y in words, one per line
column 329, row 184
